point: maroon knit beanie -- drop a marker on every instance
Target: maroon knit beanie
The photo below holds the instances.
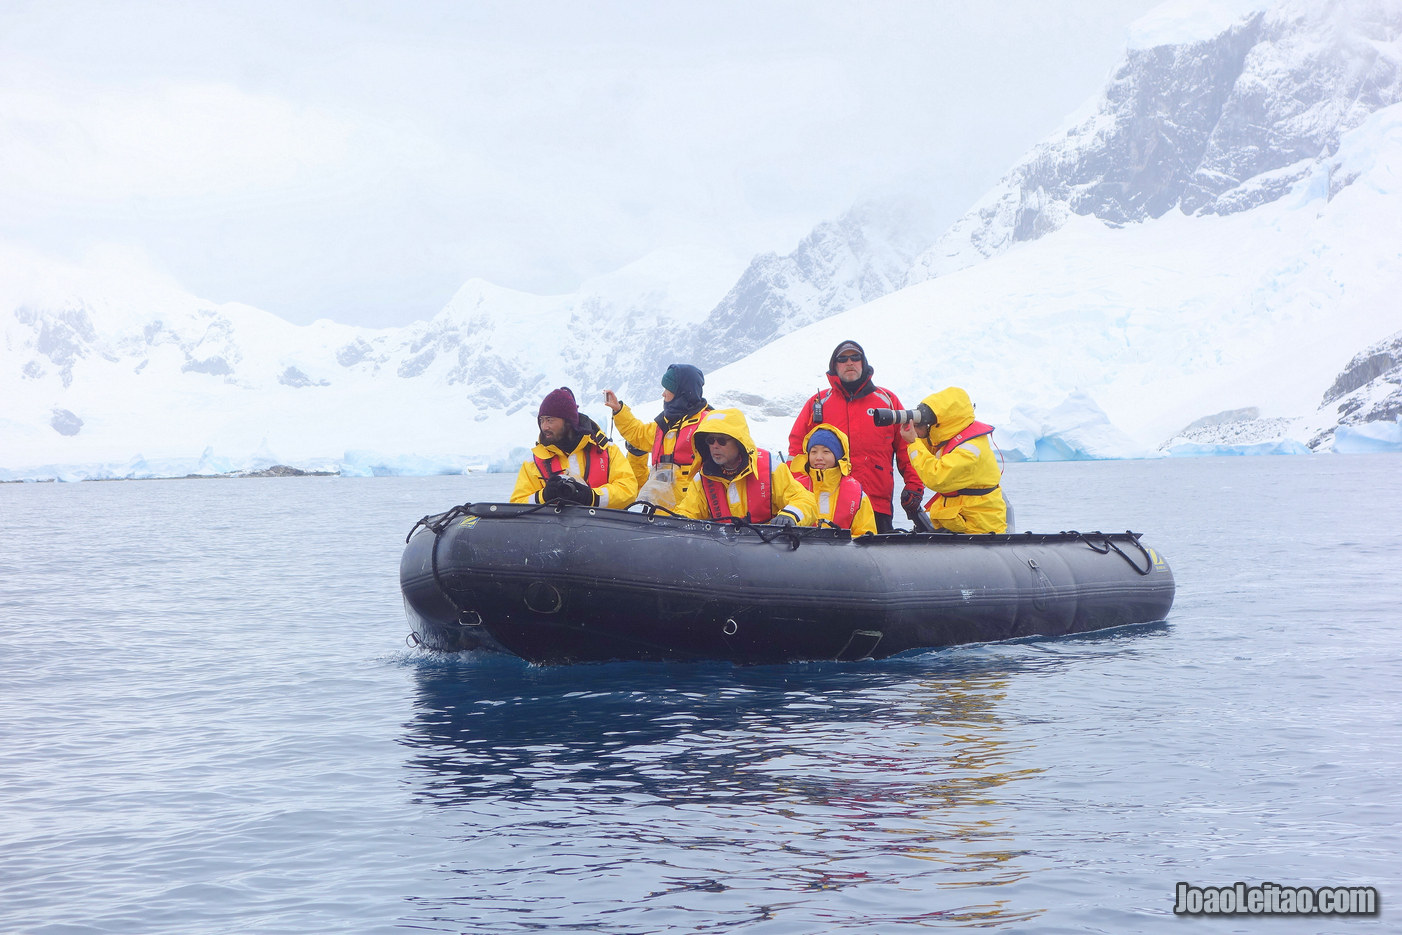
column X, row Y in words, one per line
column 560, row 404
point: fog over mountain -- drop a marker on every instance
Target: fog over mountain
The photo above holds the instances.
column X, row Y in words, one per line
column 1203, row 260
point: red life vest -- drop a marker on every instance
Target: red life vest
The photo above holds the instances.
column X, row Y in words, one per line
column 972, row 430
column 596, row 465
column 684, row 452
column 757, row 488
column 849, row 498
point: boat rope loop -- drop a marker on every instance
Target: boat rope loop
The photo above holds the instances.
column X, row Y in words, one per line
column 1108, row 545
column 767, row 533
column 793, row 535
column 437, row 522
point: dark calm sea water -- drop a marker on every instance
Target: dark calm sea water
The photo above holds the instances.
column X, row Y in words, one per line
column 210, row 722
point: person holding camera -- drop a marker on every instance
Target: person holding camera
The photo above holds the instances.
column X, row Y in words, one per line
column 573, row 461
column 951, row 452
column 828, row 473
column 669, row 438
column 844, row 405
column 736, row 481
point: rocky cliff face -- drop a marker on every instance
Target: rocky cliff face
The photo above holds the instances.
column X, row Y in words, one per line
column 1368, row 390
column 1214, row 126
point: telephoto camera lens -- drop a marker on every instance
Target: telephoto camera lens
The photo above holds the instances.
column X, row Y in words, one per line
column 885, row 417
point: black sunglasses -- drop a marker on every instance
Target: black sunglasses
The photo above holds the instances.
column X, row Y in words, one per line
column 847, row 358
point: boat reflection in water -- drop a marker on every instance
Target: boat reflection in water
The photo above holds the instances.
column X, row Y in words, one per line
column 645, row 796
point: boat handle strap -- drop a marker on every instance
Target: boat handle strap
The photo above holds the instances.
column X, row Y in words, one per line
column 1108, row 544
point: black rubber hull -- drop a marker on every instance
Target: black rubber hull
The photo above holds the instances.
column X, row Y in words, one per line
column 572, row 584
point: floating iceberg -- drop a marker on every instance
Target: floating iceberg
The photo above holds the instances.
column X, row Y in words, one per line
column 1369, row 438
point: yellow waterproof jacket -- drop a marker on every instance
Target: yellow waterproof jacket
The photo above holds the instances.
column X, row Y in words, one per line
column 785, row 493
column 643, row 435
column 638, row 462
column 825, row 483
column 615, row 491
column 957, row 476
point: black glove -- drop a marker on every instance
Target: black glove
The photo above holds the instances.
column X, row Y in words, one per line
column 783, row 519
column 554, row 489
column 575, row 491
column 910, row 500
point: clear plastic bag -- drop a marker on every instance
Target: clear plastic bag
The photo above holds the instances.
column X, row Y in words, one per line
column 660, row 488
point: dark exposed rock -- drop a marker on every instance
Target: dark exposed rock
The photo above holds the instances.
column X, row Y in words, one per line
column 417, row 364
column 65, row 422
column 353, row 353
column 294, row 377
column 215, row 366
column 1365, row 368
column 277, row 470
column 1368, row 390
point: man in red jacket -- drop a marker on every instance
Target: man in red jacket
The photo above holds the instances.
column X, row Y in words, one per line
column 873, row 447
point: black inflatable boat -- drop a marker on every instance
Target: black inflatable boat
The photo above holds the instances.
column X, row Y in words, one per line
column 561, row 584
column 572, row 583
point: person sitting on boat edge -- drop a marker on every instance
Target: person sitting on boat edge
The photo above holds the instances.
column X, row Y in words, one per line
column 573, row 460
column 736, row 481
column 828, row 474
column 952, row 454
column 670, row 436
column 851, row 393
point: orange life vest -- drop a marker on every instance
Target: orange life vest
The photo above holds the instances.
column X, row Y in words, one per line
column 757, row 489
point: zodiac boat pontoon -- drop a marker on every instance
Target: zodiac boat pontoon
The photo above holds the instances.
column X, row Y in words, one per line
column 564, row 583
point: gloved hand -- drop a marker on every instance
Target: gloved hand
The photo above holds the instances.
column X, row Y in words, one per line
column 554, row 489
column 783, row 519
column 574, row 490
column 910, row 500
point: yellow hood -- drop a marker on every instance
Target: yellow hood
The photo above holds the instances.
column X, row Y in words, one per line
column 723, row 422
column 844, row 463
column 953, row 411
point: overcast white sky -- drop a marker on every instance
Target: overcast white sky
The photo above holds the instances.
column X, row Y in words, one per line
column 360, row 161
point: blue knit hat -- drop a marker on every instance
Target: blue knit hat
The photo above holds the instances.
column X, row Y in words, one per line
column 828, row 439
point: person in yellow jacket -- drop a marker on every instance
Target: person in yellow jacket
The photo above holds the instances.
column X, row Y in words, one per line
column 840, row 498
column 738, row 481
column 951, row 453
column 573, row 460
column 670, row 437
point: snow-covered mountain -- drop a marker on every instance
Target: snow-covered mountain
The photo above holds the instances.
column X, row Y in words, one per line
column 100, row 361
column 840, row 265
column 1205, row 261
column 1214, row 124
